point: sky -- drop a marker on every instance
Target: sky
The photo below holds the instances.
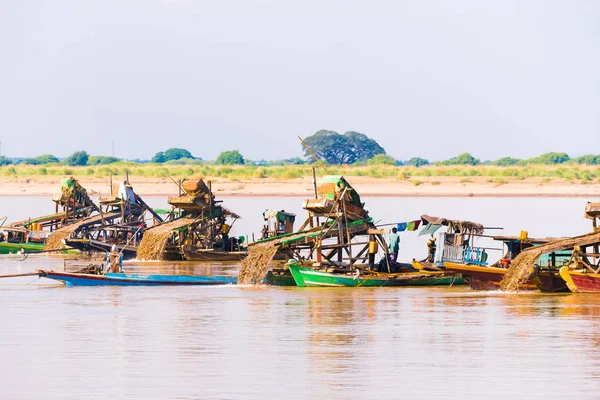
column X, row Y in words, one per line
column 423, row 78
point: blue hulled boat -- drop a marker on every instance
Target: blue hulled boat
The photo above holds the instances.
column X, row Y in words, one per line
column 121, row 279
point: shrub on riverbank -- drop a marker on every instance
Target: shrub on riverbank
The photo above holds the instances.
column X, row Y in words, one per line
column 563, row 172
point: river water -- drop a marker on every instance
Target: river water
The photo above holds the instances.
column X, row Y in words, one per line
column 234, row 342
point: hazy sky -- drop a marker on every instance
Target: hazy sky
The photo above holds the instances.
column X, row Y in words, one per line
column 423, row 78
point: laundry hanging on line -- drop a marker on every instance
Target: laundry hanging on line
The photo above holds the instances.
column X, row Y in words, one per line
column 408, row 226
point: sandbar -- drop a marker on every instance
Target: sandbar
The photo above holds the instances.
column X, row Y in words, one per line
column 303, row 187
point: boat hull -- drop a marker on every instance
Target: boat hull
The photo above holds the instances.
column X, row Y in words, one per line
column 306, row 277
column 14, row 248
column 213, row 255
column 580, row 282
column 120, row 279
column 276, row 278
column 489, row 278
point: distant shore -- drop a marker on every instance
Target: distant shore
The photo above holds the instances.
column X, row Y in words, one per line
column 303, row 187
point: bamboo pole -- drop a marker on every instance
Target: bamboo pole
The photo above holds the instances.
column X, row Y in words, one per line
column 18, row 275
column 313, row 154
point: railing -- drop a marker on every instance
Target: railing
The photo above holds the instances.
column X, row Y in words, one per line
column 452, row 253
column 469, row 255
column 475, row 255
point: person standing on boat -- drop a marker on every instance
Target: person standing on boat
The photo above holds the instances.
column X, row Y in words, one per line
column 114, row 257
column 393, row 245
column 431, row 247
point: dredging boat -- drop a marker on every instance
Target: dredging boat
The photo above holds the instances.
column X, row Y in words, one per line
column 200, row 232
column 337, row 245
column 580, row 260
column 72, row 205
column 471, row 264
column 121, row 220
column 582, row 273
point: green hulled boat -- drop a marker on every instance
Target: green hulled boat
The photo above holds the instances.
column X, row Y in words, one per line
column 310, row 277
column 280, row 277
column 14, row 248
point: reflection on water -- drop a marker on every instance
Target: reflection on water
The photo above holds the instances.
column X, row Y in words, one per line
column 253, row 342
column 232, row 342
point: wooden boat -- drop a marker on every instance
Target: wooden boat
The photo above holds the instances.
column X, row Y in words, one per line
column 121, row 279
column 212, row 255
column 337, row 238
column 337, row 232
column 280, row 277
column 459, row 255
column 582, row 274
column 310, row 277
column 14, row 248
column 14, row 240
column 31, row 235
column 122, row 217
column 580, row 281
column 580, row 258
column 489, row 277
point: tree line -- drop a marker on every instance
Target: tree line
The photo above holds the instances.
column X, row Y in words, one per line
column 350, row 148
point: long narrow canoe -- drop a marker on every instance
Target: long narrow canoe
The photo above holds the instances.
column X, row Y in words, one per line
column 121, row 279
column 310, row 277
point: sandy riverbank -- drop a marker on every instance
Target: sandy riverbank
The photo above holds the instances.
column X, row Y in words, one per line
column 366, row 186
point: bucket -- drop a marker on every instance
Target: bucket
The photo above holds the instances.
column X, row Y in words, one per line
column 523, row 236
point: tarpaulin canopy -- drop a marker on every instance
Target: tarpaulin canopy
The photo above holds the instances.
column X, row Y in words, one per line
column 331, row 185
column 279, row 215
column 460, row 226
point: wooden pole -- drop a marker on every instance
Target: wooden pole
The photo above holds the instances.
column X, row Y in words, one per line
column 315, row 182
column 596, row 249
column 17, row 275
column 313, row 154
column 314, row 172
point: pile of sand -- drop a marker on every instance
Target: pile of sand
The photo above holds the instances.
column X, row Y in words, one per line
column 255, row 266
column 153, row 243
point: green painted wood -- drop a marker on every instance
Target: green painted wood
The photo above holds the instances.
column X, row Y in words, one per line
column 308, row 277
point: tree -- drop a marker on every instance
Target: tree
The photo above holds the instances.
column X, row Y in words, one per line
column 171, row 154
column 78, row 158
column 417, row 162
column 294, row 161
column 588, row 159
column 461, row 159
column 553, row 158
column 382, row 159
column 39, row 160
column 348, row 148
column 4, row 161
column 231, row 157
column 158, row 158
column 102, row 160
column 506, row 161
column 364, row 148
